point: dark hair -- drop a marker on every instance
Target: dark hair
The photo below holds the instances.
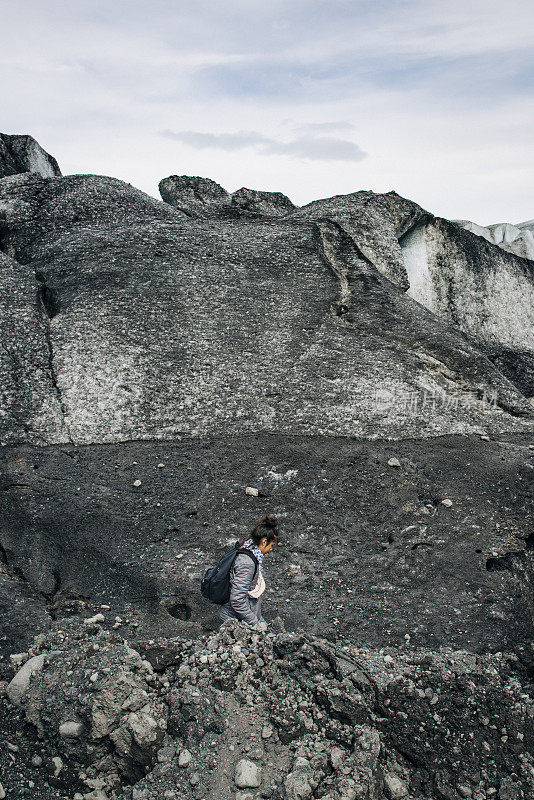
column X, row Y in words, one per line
column 267, row 528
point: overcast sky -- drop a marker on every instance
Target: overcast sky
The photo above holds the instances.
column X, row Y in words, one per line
column 432, row 98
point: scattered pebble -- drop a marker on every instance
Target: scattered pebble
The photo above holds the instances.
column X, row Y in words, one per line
column 58, row 765
column 95, row 619
column 252, row 491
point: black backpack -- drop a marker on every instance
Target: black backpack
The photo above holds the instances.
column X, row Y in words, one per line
column 215, row 585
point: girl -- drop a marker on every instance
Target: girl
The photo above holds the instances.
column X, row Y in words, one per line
column 247, row 583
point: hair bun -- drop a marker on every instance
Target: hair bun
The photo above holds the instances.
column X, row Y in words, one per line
column 269, row 520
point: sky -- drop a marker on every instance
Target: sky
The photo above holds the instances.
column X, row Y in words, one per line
column 432, row 99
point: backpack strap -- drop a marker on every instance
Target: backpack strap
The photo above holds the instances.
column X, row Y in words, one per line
column 252, row 556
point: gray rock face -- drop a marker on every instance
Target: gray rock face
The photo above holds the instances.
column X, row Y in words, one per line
column 374, row 223
column 159, row 325
column 30, row 405
column 482, row 290
column 24, row 154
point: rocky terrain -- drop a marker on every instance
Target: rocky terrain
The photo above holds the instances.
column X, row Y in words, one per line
column 173, row 370
column 277, row 715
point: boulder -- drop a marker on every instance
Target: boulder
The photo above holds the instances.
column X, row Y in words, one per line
column 194, row 196
column 24, row 154
column 247, row 774
column 19, row 685
column 267, row 204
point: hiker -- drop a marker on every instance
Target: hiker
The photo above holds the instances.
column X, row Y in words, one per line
column 247, row 583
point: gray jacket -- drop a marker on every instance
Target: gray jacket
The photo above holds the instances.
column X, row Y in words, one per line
column 243, row 578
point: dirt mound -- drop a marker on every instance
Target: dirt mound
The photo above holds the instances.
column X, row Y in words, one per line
column 242, row 714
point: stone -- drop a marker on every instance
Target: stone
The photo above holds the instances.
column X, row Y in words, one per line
column 394, row 786
column 446, row 502
column 337, row 756
column 463, row 790
column 252, row 491
column 166, row 754
column 184, row 758
column 19, row 685
column 98, row 618
column 269, row 204
column 58, row 765
column 71, row 729
column 298, row 783
column 247, row 774
column 140, row 794
column 2, row 792
column 394, row 462
column 18, row 659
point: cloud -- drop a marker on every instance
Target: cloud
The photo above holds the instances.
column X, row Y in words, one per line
column 320, row 148
column 324, row 127
column 441, row 95
column 222, row 141
column 314, row 148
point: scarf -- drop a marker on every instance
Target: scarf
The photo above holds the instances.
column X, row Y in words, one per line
column 259, row 589
column 249, row 545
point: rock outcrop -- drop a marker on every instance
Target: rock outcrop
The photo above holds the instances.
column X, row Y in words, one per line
column 485, row 292
column 162, row 322
column 202, row 198
column 517, row 239
column 24, row 154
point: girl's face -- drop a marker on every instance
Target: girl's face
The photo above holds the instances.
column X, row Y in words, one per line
column 266, row 546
